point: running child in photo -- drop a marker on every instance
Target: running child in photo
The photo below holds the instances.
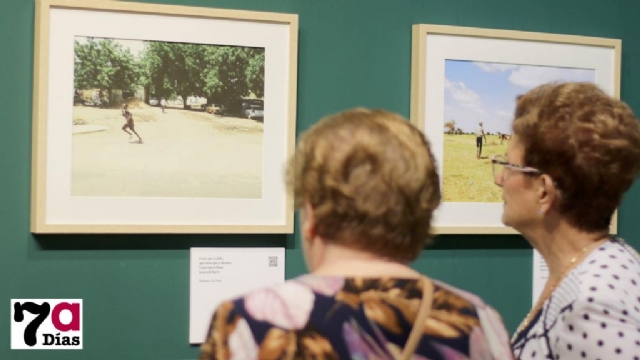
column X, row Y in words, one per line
column 129, row 117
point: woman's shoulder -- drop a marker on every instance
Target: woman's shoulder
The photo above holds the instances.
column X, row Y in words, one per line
column 457, row 293
column 610, row 273
column 292, row 304
column 489, row 319
column 304, row 289
column 487, row 324
column 609, row 263
column 325, row 285
column 342, row 311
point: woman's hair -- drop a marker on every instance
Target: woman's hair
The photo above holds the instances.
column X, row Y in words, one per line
column 371, row 180
column 587, row 142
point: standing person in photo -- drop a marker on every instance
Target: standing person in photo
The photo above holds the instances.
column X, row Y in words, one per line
column 163, row 104
column 479, row 135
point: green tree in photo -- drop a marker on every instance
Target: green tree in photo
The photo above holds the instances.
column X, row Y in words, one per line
column 103, row 64
column 173, row 69
column 255, row 72
column 450, row 126
column 232, row 72
column 220, row 73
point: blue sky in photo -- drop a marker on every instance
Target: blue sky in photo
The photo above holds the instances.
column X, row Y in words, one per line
column 483, row 91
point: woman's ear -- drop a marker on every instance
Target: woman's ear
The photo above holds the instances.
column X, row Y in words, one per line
column 548, row 194
column 308, row 222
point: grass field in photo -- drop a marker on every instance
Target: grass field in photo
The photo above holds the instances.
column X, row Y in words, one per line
column 480, row 97
column 465, row 178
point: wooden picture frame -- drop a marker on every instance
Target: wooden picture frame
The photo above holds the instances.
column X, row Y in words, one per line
column 191, row 170
column 472, row 74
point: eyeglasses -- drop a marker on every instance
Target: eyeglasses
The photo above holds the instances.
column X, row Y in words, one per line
column 499, row 163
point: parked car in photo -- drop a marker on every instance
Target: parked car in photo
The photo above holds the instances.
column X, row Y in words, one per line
column 154, row 102
column 217, row 109
column 197, row 102
column 254, row 111
column 247, row 108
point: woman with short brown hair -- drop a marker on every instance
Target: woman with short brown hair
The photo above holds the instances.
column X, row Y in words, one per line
column 366, row 185
column 370, row 181
column 575, row 151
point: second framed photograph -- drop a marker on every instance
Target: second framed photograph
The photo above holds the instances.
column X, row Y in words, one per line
column 162, row 119
column 464, row 84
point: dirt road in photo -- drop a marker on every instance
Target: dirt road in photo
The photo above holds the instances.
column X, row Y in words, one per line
column 184, row 154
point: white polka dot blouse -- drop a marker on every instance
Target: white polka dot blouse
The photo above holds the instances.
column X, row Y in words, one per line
column 593, row 314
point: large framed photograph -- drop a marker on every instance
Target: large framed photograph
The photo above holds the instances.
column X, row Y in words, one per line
column 465, row 82
column 155, row 118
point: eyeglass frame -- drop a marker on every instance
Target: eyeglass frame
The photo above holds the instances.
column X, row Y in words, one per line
column 521, row 168
column 516, row 167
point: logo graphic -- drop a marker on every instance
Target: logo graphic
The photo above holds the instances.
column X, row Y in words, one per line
column 46, row 323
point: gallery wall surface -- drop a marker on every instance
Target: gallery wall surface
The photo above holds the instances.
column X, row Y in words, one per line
column 135, row 288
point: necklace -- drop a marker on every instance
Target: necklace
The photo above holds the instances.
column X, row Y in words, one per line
column 545, row 295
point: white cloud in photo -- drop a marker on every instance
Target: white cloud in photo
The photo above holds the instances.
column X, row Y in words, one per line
column 494, row 67
column 468, row 120
column 503, row 119
column 464, row 96
column 466, row 107
column 503, row 114
column 497, row 120
column 482, row 91
column 532, row 76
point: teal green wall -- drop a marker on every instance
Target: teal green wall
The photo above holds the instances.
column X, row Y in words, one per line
column 352, row 53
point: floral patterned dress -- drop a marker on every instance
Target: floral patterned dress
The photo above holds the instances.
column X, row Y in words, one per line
column 328, row 317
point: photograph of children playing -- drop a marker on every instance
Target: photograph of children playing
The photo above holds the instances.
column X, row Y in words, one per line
column 199, row 109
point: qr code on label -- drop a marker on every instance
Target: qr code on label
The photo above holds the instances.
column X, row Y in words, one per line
column 273, row 261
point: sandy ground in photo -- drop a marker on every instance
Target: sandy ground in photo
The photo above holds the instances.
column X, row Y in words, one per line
column 465, row 178
column 183, row 154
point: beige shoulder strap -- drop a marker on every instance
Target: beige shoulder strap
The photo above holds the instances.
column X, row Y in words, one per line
column 418, row 326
